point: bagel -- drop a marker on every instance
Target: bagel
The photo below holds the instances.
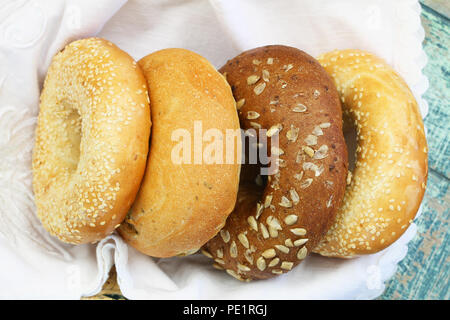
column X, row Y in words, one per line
column 390, row 172
column 274, row 227
column 181, row 205
column 91, row 140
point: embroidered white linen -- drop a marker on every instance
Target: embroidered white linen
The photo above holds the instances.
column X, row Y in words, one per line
column 35, row 265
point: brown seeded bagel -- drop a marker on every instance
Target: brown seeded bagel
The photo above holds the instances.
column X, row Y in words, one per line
column 287, row 92
column 390, row 174
column 91, row 140
column 180, row 206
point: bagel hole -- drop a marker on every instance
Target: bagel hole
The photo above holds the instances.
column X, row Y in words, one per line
column 351, row 140
column 73, row 131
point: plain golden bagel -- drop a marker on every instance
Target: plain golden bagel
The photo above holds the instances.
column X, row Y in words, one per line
column 91, row 140
column 274, row 227
column 389, row 177
column 181, row 205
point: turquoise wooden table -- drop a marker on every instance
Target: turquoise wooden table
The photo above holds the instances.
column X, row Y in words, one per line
column 424, row 273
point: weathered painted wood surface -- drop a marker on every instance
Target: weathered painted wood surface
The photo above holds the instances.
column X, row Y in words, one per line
column 425, row 272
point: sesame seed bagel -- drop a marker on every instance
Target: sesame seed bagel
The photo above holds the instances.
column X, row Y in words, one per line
column 274, row 227
column 91, row 140
column 183, row 204
column 389, row 177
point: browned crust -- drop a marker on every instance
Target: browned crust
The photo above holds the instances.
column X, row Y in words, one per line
column 293, row 78
column 83, row 193
column 391, row 167
column 181, row 206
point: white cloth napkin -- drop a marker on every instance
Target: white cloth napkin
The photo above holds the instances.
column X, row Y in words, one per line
column 35, row 265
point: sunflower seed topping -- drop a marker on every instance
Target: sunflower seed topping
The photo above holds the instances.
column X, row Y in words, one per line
column 290, row 219
column 225, row 235
column 306, row 183
column 269, row 253
column 255, row 125
column 234, row 274
column 311, row 140
column 310, row 166
column 259, row 88
column 325, row 125
column 321, row 153
column 242, row 267
column 219, row 253
column 273, row 232
column 274, row 223
column 243, row 239
column 265, row 75
column 288, row 243
column 276, row 271
column 301, row 254
column 330, row 201
column 286, row 265
column 269, row 60
column 309, row 151
column 285, row 202
column 248, row 256
column 252, row 79
column 300, row 107
column 268, row 200
column 264, row 231
column 206, row 253
column 276, row 151
column 252, row 222
column 252, row 115
column 298, row 231
column 298, row 176
column 259, row 210
column 240, row 103
column 294, row 196
column 261, row 264
column 292, row 134
column 317, row 131
column 233, row 249
column 274, row 130
column 274, row 262
column 282, row 248
column 300, row 242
